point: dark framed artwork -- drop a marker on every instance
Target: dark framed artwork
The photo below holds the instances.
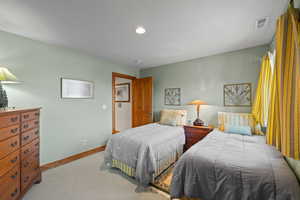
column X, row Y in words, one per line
column 122, row 91
column 238, row 95
column 173, row 96
column 76, row 89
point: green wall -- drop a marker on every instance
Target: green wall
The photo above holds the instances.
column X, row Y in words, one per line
column 204, row 78
column 297, row 3
column 67, row 126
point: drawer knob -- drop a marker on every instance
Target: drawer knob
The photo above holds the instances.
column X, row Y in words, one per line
column 26, row 179
column 26, row 137
column 14, row 130
column 25, row 126
column 14, row 176
column 26, row 164
column 25, row 116
column 14, row 144
column 14, row 160
column 14, row 119
column 14, row 193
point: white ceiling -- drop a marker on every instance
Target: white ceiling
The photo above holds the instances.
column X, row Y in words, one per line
column 177, row 30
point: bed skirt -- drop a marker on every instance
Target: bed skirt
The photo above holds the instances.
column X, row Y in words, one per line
column 162, row 164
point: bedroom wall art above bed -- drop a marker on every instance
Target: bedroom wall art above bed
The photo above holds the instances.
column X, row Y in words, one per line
column 173, row 96
column 237, row 95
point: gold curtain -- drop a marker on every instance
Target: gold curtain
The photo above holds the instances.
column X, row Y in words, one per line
column 284, row 112
column 262, row 98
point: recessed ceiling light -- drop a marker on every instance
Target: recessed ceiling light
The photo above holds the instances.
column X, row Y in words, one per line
column 140, row 30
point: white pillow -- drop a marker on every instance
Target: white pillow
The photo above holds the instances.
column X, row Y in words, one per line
column 173, row 117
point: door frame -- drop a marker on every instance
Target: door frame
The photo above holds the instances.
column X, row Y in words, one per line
column 114, row 76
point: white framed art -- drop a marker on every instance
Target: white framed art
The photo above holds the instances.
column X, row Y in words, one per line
column 76, row 89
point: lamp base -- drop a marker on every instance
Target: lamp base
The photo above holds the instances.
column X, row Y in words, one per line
column 198, row 122
column 3, row 98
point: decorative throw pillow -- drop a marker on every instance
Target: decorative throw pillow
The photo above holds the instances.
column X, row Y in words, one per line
column 173, row 117
column 238, row 119
column 242, row 130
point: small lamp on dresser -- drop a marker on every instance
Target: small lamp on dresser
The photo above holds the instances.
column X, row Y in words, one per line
column 5, row 77
column 197, row 103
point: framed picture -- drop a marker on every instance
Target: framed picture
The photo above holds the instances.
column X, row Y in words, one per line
column 172, row 96
column 122, row 92
column 76, row 89
column 238, row 95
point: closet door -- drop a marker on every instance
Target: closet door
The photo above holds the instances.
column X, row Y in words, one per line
column 142, row 101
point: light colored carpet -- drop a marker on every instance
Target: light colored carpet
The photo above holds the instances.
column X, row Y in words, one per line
column 85, row 180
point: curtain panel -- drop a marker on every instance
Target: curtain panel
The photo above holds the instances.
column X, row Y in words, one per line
column 284, row 113
column 261, row 103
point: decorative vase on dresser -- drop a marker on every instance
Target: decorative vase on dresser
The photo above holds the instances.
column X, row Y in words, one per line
column 19, row 152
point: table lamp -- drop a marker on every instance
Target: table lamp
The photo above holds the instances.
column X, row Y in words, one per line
column 197, row 103
column 5, row 77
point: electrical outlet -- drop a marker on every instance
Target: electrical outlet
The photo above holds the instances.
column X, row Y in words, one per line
column 84, row 142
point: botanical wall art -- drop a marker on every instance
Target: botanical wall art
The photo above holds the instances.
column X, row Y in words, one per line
column 122, row 92
column 172, row 96
column 237, row 94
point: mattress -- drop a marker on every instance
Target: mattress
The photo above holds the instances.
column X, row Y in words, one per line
column 232, row 166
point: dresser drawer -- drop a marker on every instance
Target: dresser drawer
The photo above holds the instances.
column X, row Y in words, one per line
column 29, row 125
column 30, row 115
column 9, row 145
column 28, row 136
column 9, row 162
column 30, row 163
column 9, row 120
column 11, row 180
column 30, row 148
column 13, row 192
column 9, row 131
column 29, row 169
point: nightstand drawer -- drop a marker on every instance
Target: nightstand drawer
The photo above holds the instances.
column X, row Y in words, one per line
column 190, row 136
column 195, row 131
column 194, row 134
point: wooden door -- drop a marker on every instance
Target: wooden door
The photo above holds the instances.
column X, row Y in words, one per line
column 142, row 101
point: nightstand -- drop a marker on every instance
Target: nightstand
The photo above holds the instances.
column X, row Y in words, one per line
column 194, row 134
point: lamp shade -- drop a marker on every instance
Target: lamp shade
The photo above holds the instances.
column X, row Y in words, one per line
column 6, row 76
column 197, row 102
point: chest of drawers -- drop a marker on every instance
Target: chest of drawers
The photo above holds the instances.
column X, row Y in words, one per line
column 19, row 152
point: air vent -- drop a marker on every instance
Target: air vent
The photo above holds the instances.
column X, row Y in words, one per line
column 260, row 23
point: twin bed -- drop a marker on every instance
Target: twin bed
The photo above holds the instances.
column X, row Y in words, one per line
column 221, row 166
column 146, row 151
